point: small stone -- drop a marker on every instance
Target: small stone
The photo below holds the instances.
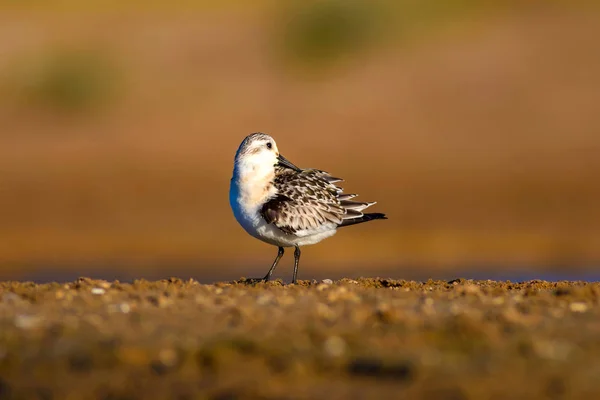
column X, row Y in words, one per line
column 384, row 313
column 27, row 321
column 286, row 301
column 557, row 313
column 578, row 307
column 98, row 291
column 498, row 300
column 337, row 294
column 264, row 300
column 517, row 298
column 202, row 300
column 552, row 350
column 327, row 281
column 160, row 301
column 375, row 368
column 322, row 286
column 470, row 288
column 325, row 311
column 11, row 298
column 334, row 346
column 512, row 315
column 168, row 357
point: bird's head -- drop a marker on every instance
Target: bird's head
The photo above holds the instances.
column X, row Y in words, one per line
column 258, row 155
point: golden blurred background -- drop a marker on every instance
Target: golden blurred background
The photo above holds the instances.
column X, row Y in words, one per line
column 474, row 124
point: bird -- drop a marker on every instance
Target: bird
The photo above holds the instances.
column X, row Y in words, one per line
column 286, row 206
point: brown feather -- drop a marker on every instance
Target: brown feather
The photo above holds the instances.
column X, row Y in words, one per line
column 308, row 199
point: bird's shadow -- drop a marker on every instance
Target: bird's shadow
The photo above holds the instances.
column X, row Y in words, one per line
column 271, row 283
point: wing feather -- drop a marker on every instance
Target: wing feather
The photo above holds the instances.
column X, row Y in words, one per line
column 308, row 201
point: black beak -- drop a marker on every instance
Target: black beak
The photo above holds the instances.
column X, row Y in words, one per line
column 284, row 162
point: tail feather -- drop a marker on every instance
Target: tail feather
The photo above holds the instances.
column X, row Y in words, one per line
column 355, row 205
column 333, row 179
column 342, row 197
column 364, row 218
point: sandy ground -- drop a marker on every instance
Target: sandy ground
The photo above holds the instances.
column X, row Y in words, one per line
column 365, row 338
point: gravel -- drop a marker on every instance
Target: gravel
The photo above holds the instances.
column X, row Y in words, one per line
column 364, row 338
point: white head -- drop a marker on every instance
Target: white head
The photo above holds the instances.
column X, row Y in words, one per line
column 257, row 157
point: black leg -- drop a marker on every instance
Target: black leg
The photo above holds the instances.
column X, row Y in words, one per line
column 267, row 277
column 296, row 261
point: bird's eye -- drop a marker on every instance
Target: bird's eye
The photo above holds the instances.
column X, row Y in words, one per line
column 269, row 145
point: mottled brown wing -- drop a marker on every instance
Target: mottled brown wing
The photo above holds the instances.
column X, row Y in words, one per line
column 305, row 201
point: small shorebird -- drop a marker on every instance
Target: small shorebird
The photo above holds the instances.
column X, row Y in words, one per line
column 286, row 206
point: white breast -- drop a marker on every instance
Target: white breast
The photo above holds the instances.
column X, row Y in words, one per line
column 246, row 200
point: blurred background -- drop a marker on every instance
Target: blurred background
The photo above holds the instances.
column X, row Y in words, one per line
column 474, row 124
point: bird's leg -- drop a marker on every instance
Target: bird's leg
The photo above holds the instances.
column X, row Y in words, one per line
column 296, row 261
column 267, row 277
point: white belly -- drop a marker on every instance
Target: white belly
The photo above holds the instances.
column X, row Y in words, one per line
column 249, row 217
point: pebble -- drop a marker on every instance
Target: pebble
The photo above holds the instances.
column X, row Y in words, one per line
column 327, row 281
column 105, row 284
column 123, row 308
column 324, row 311
column 27, row 321
column 334, row 346
column 98, row 291
column 510, row 314
column 470, row 288
column 557, row 313
column 429, row 309
column 286, row 300
column 552, row 349
column 160, row 301
column 11, row 298
column 322, row 286
column 338, row 294
column 168, row 357
column 498, row 300
column 264, row 300
column 202, row 300
column 384, row 313
column 578, row 307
